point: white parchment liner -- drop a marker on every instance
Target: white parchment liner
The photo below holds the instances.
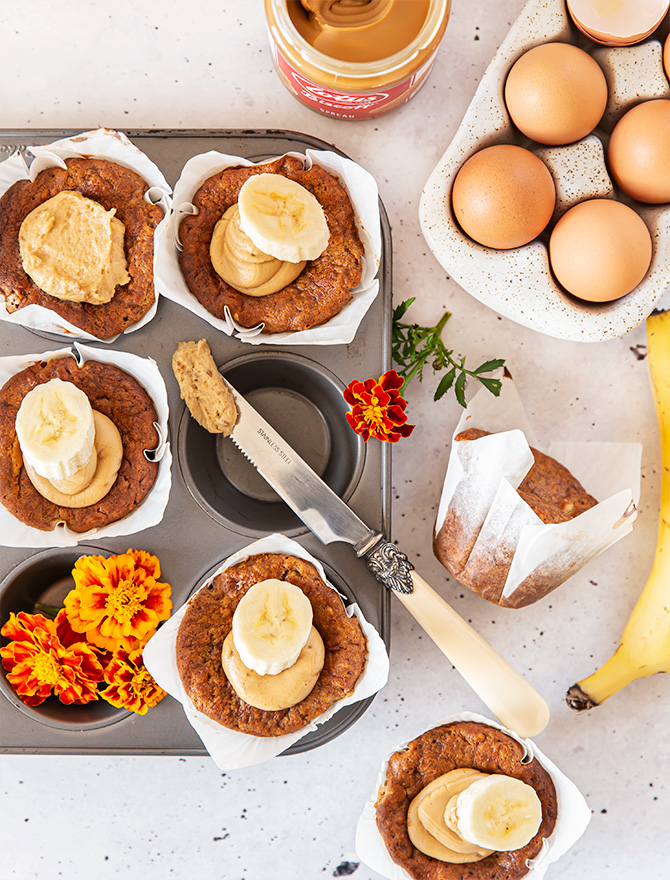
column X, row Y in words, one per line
column 341, row 328
column 230, row 749
column 102, row 143
column 14, row 533
column 571, row 821
column 482, row 477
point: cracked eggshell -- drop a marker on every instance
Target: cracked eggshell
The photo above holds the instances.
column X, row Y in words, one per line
column 519, row 283
column 614, row 23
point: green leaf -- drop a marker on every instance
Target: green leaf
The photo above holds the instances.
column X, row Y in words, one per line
column 459, row 389
column 445, row 383
column 400, row 310
column 489, row 365
column 414, row 347
column 492, row 385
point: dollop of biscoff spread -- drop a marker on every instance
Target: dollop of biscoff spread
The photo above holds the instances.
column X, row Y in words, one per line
column 72, row 248
column 202, row 387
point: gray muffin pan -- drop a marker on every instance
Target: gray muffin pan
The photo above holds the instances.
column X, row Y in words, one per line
column 218, row 503
column 303, row 401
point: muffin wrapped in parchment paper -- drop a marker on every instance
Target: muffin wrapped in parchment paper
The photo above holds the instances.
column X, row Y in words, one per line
column 514, row 522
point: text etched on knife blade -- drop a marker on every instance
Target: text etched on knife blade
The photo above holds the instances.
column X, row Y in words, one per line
column 274, row 446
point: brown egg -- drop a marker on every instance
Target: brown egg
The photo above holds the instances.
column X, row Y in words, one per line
column 666, row 56
column 556, row 93
column 503, row 196
column 639, row 152
column 600, row 250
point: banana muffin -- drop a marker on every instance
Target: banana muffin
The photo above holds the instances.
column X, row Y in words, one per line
column 454, row 746
column 113, row 187
column 112, row 392
column 209, row 619
column 324, row 285
column 551, row 492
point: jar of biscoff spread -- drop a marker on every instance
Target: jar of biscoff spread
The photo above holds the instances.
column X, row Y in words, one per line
column 355, row 59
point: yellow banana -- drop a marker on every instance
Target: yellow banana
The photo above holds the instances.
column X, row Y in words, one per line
column 645, row 645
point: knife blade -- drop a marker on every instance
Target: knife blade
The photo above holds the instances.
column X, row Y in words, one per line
column 506, row 693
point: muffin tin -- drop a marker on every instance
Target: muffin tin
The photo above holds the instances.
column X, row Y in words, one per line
column 519, row 283
column 306, row 406
column 46, row 578
column 191, row 541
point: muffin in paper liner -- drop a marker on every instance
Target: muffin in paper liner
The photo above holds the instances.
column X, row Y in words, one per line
column 494, row 542
column 229, row 748
column 573, row 813
column 14, row 533
column 101, row 143
column 341, row 328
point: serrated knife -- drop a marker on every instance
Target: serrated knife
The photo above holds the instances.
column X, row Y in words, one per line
column 516, row 704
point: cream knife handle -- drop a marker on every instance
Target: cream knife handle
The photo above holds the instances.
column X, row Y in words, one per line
column 501, row 688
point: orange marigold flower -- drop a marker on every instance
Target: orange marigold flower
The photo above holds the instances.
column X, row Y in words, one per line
column 118, row 601
column 130, row 683
column 46, row 656
column 378, row 408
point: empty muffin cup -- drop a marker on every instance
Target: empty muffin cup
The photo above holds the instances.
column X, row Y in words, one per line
column 46, row 578
column 303, row 401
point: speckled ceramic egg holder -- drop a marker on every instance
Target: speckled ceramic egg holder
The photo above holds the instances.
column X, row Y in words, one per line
column 519, row 283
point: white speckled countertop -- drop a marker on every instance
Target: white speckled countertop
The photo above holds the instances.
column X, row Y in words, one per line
column 207, row 65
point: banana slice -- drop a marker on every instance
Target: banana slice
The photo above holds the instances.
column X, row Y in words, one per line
column 88, row 489
column 426, row 819
column 432, row 805
column 282, row 218
column 271, row 625
column 56, row 429
column 498, row 812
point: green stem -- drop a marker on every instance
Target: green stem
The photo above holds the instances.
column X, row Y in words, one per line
column 49, row 610
column 439, row 327
column 415, row 347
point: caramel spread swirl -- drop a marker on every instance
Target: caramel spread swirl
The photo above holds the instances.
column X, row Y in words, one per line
column 426, row 824
column 280, row 691
column 348, row 13
column 72, row 248
column 93, row 480
column 242, row 265
column 358, row 30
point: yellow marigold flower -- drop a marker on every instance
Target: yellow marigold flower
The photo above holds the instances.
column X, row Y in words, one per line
column 118, row 601
column 45, row 656
column 130, row 683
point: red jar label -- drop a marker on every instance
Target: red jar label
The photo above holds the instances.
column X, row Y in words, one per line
column 349, row 105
